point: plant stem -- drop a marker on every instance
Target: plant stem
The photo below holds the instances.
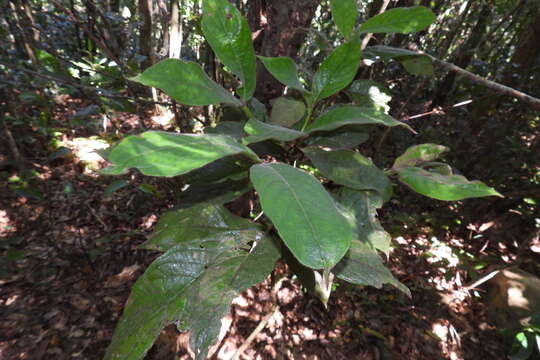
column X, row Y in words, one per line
column 308, row 117
column 248, row 112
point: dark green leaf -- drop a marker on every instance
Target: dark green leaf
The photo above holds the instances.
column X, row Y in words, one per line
column 370, row 93
column 352, row 115
column 227, row 32
column 185, row 82
column 363, row 266
column 417, row 65
column 360, row 208
column 419, row 154
column 399, row 20
column 284, row 70
column 115, row 186
column 193, row 287
column 441, row 187
column 215, row 193
column 157, row 153
column 229, row 167
column 60, row 153
column 258, row 109
column 344, row 138
column 344, row 13
column 259, row 131
column 234, row 129
column 349, row 168
column 304, row 214
column 413, row 62
column 203, row 221
column 286, row 111
column 438, row 167
column 337, row 71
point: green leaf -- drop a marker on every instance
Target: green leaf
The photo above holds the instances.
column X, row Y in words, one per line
column 336, row 71
column 304, row 214
column 259, row 131
column 417, row 65
column 115, row 186
column 200, row 222
column 234, row 129
column 399, row 20
column 284, row 70
column 227, row 32
column 352, row 115
column 370, row 93
column 349, row 168
column 157, row 153
column 193, row 287
column 344, row 138
column 413, row 62
column 215, row 193
column 360, row 208
column 229, row 167
column 344, row 13
column 185, row 82
column 419, row 154
column 287, row 112
column 441, row 187
column 363, row 266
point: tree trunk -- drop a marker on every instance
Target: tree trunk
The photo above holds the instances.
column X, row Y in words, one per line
column 175, row 46
column 145, row 36
column 279, row 29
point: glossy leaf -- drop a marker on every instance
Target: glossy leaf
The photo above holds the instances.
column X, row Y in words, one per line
column 360, row 208
column 370, row 93
column 352, row 115
column 399, row 20
column 284, row 70
column 304, row 214
column 337, row 71
column 286, row 111
column 192, row 286
column 259, row 131
column 227, row 32
column 203, row 221
column 157, row 153
column 441, row 187
column 344, row 13
column 185, row 82
column 363, row 266
column 349, row 168
column 344, row 138
column 419, row 154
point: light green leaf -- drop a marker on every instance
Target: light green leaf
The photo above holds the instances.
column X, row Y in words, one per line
column 337, row 71
column 417, row 65
column 157, row 153
column 344, row 13
column 185, row 82
column 360, row 208
column 287, row 112
column 349, row 168
column 200, row 222
column 363, row 266
column 352, row 115
column 227, row 32
column 370, row 93
column 344, row 138
column 399, row 20
column 304, row 214
column 419, row 154
column 192, row 286
column 441, row 187
column 284, row 70
column 259, row 131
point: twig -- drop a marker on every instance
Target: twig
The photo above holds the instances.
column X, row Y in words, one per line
column 262, row 324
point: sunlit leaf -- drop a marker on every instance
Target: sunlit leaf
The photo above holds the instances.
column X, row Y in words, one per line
column 304, row 214
column 157, row 153
column 185, row 82
column 287, row 111
column 441, row 187
column 344, row 13
column 284, row 70
column 399, row 20
column 259, row 131
column 419, row 154
column 227, row 32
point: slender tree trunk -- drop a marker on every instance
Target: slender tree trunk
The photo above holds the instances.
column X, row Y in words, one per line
column 145, row 37
column 279, row 29
column 175, row 47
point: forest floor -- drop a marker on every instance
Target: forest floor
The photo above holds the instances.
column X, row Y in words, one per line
column 70, row 256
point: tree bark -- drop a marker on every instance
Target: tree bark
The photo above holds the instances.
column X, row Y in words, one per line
column 145, row 36
column 279, row 29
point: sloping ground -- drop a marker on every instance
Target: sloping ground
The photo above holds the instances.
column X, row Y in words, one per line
column 71, row 257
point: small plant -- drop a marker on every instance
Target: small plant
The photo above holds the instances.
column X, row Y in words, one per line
column 323, row 226
column 526, row 343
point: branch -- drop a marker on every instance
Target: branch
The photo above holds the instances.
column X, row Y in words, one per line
column 502, row 89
